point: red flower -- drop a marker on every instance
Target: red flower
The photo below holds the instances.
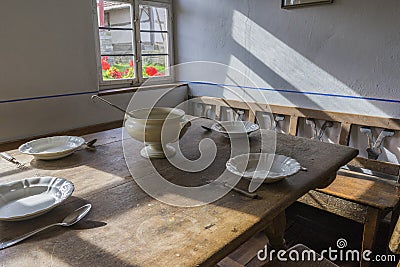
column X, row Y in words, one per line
column 151, row 71
column 131, row 63
column 127, row 71
column 116, row 74
column 105, row 65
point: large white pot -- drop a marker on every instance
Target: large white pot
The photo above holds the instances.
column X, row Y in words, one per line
column 157, row 127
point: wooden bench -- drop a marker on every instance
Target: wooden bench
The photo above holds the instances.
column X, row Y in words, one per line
column 364, row 198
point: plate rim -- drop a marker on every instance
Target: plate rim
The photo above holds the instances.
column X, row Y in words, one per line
column 214, row 127
column 42, row 211
column 20, row 148
column 229, row 166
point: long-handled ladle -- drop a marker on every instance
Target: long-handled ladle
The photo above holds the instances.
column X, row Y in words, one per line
column 111, row 104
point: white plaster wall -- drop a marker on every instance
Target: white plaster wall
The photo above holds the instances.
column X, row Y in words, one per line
column 349, row 48
column 32, row 118
column 47, row 48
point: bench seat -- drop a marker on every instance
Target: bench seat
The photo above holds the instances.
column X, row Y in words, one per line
column 365, row 190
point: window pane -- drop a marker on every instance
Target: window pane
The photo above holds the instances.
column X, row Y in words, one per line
column 153, row 18
column 154, row 42
column 117, row 67
column 154, row 66
column 116, row 41
column 114, row 14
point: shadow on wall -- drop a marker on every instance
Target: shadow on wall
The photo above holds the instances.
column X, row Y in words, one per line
column 323, row 57
column 317, row 57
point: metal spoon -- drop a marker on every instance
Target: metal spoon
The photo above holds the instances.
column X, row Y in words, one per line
column 236, row 189
column 71, row 219
column 90, row 144
column 206, row 128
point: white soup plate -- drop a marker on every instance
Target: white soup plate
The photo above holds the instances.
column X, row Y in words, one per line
column 31, row 197
column 235, row 129
column 50, row 148
column 268, row 167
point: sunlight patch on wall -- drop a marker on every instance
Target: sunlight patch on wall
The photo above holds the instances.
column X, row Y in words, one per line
column 294, row 68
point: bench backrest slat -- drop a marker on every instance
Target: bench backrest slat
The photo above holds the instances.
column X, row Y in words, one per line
column 346, row 120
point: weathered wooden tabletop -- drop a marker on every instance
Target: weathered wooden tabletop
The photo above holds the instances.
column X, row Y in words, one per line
column 126, row 227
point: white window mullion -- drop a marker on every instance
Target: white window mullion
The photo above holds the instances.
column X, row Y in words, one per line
column 97, row 44
column 134, row 16
column 138, row 48
column 171, row 61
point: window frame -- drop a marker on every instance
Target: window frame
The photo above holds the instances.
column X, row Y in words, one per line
column 136, row 43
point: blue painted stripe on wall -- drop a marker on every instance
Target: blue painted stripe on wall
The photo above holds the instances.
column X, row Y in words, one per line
column 46, row 97
column 296, row 92
column 216, row 84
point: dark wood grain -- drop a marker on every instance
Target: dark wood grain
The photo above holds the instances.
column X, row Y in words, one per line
column 350, row 195
column 129, row 228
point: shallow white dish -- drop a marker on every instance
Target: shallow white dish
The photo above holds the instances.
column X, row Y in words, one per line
column 269, row 167
column 31, row 197
column 235, row 129
column 55, row 147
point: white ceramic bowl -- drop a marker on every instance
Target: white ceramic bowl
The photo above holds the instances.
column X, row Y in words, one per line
column 31, row 197
column 235, row 129
column 157, row 127
column 269, row 167
column 50, row 148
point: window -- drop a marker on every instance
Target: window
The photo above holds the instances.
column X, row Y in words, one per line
column 154, row 38
column 134, row 42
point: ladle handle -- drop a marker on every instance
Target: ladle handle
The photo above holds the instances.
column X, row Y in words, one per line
column 12, row 242
column 111, row 104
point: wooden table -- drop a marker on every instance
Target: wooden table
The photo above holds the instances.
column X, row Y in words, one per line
column 126, row 227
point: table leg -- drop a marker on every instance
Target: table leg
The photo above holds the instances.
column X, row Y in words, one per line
column 394, row 243
column 394, row 231
column 276, row 231
column 370, row 228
